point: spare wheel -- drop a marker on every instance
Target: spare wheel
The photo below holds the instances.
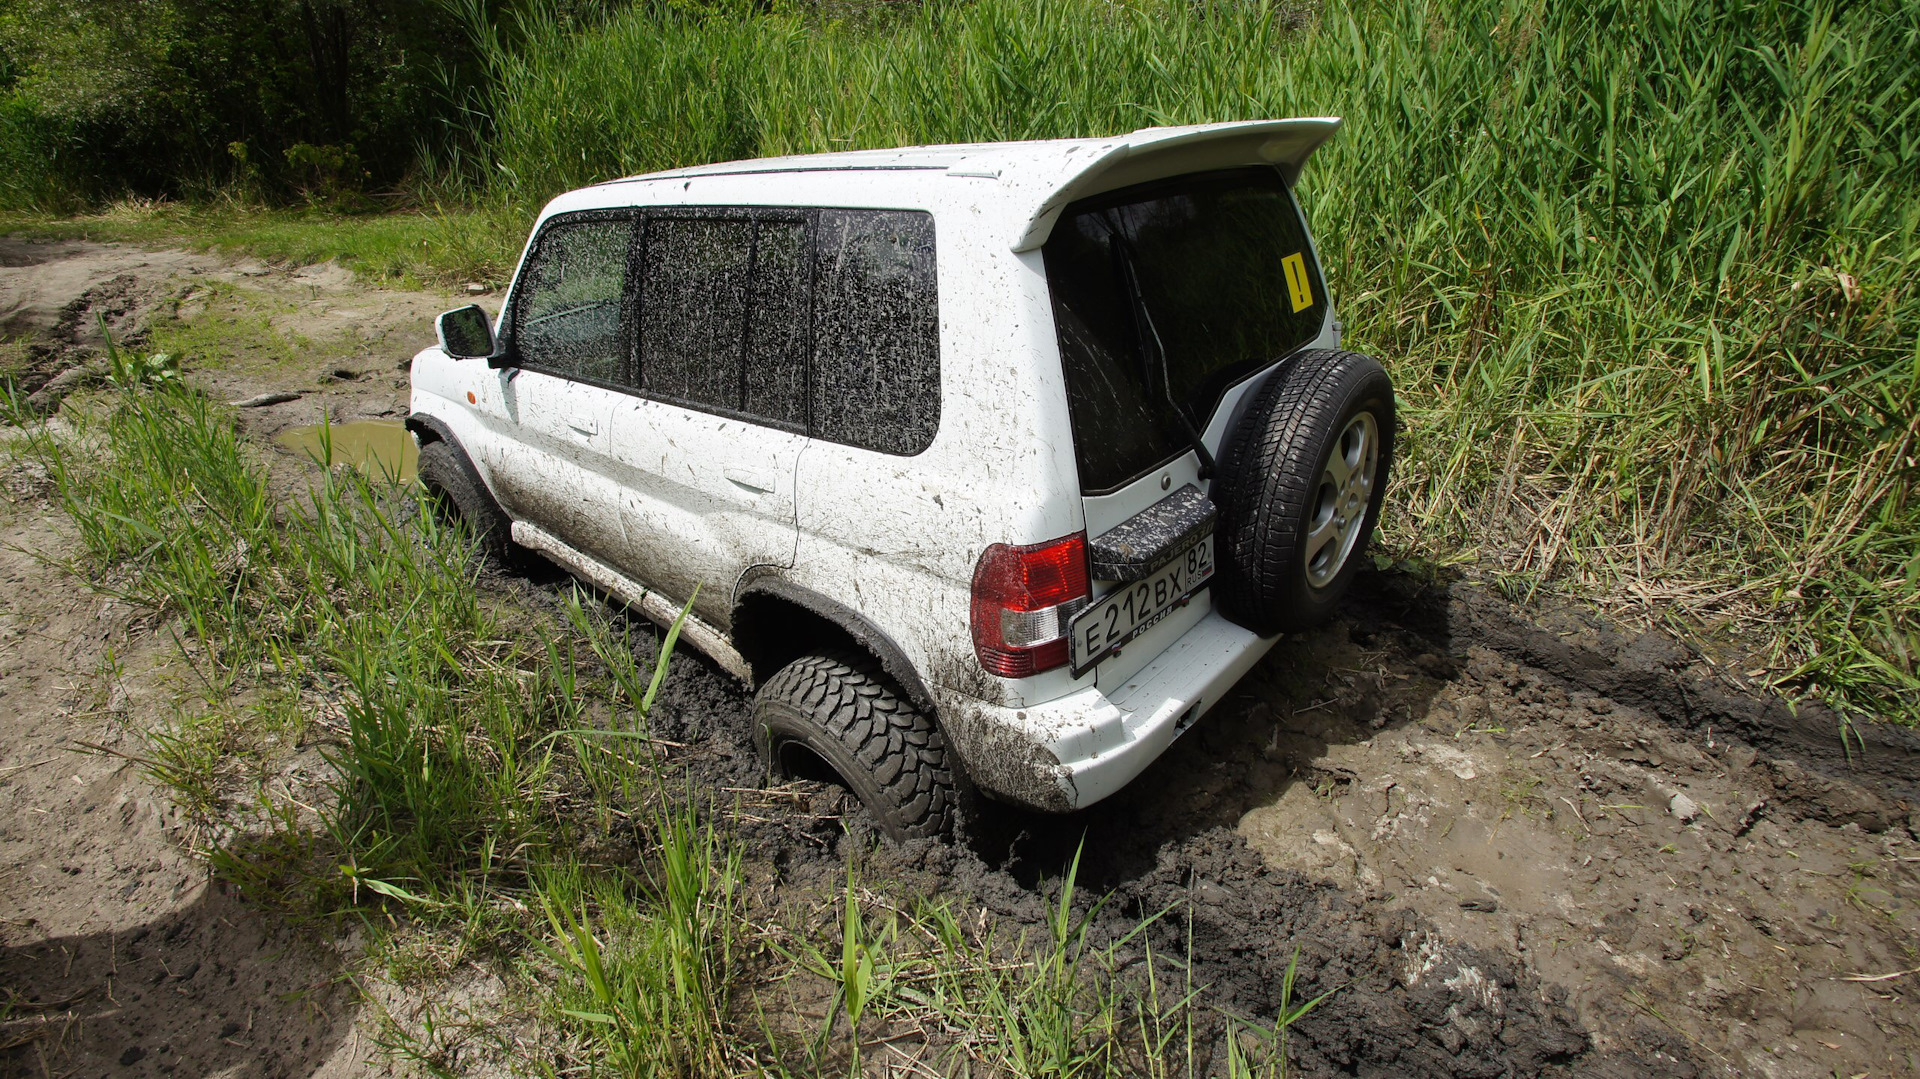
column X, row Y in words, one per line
column 1299, row 490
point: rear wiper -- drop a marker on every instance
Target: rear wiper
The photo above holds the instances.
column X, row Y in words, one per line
column 1159, row 350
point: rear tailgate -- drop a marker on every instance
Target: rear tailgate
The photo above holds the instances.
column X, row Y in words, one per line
column 1172, row 301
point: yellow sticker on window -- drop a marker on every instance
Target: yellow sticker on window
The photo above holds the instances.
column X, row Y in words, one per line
column 1298, row 287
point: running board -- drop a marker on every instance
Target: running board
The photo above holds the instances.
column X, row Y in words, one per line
column 654, row 605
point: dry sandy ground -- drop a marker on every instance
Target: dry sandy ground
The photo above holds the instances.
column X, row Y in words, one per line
column 119, row 954
column 1517, row 843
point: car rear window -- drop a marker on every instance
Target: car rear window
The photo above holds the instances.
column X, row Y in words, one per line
column 1212, row 271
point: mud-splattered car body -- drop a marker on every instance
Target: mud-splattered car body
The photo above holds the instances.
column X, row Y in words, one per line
column 816, row 487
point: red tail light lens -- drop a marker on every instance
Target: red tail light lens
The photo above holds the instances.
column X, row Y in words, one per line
column 1023, row 598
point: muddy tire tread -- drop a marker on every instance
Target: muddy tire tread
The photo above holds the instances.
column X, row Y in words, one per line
column 444, row 470
column 892, row 745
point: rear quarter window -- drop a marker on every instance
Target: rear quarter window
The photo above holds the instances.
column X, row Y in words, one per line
column 876, row 330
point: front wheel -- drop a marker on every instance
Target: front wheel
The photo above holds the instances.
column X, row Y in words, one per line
column 841, row 712
column 456, row 491
column 1300, row 490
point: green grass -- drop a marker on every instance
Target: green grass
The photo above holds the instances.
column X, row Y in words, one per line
column 1645, row 275
column 438, row 714
column 654, row 998
column 496, row 798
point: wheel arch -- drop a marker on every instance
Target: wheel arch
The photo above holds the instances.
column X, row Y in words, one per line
column 776, row 622
column 427, row 429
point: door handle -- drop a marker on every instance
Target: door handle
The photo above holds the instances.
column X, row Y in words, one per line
column 584, row 426
column 747, row 479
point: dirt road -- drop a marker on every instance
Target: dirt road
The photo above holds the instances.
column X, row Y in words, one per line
column 1512, row 842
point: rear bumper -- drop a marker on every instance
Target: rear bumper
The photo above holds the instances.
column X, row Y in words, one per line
column 1074, row 751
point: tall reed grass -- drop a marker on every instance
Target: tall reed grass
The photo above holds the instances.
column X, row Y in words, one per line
column 1645, row 273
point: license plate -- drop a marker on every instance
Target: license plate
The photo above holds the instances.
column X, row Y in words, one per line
column 1130, row 610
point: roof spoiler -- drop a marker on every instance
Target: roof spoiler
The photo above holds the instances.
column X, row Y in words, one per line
column 1156, row 152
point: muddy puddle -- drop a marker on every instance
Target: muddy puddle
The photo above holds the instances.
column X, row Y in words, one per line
column 376, row 447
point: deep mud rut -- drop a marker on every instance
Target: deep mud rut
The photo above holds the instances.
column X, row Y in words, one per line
column 1509, row 842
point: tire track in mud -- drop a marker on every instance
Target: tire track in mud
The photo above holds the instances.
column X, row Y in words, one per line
column 1870, row 778
column 1322, row 811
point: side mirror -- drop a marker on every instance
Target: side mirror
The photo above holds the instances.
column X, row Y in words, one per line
column 467, row 334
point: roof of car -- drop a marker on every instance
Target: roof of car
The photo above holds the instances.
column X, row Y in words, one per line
column 903, row 157
column 1042, row 176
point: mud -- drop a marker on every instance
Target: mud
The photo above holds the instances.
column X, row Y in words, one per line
column 1495, row 869
column 1509, row 842
column 382, row 448
column 118, row 954
column 65, row 300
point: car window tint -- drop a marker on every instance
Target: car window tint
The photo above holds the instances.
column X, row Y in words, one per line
column 569, row 301
column 776, row 374
column 876, row 330
column 1212, row 273
column 693, row 309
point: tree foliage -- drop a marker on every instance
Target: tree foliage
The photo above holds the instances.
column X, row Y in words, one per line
column 180, row 97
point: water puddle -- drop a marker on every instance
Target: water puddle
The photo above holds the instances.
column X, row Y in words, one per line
column 377, row 447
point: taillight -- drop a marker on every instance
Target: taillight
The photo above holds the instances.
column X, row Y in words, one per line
column 1023, row 598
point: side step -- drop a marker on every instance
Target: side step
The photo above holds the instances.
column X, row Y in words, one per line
column 656, row 606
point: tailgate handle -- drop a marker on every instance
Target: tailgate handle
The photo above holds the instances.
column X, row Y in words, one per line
column 748, row 479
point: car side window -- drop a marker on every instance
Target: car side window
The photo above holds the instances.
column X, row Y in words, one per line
column 817, row 321
column 776, row 374
column 876, row 330
column 694, row 288
column 569, row 303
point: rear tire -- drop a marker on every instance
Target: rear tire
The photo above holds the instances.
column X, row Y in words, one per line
column 1300, row 490
column 457, row 492
column 844, row 712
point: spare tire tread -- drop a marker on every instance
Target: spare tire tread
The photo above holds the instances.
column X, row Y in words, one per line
column 1272, row 468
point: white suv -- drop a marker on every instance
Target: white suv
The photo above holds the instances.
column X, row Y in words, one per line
column 991, row 466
